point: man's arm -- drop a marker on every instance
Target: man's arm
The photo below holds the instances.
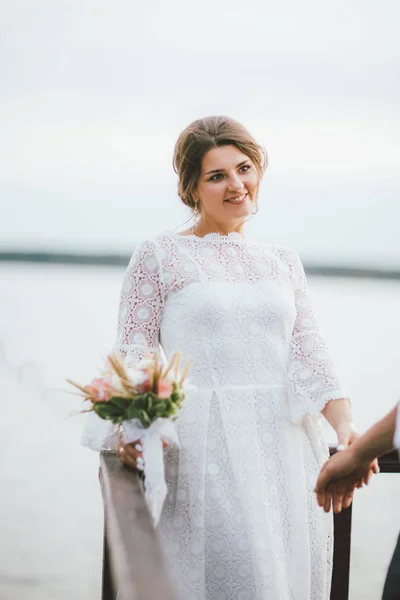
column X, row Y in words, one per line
column 378, row 439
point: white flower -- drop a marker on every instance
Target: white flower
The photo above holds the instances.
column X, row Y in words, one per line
column 137, row 376
column 144, row 363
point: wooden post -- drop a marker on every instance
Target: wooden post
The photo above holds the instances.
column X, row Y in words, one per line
column 341, row 551
column 341, row 555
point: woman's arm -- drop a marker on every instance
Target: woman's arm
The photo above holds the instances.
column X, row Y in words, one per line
column 337, row 412
column 140, row 312
column 314, row 385
column 339, row 416
column 141, row 304
column 312, row 374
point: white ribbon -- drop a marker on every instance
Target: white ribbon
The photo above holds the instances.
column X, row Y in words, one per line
column 151, row 440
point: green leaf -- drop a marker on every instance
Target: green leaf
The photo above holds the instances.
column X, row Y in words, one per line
column 107, row 411
column 132, row 413
column 121, row 403
column 140, row 401
column 144, row 418
column 149, row 402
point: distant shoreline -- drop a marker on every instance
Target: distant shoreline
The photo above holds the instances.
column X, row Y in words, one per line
column 122, row 260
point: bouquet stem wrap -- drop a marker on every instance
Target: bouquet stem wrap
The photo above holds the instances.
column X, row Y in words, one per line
column 151, row 439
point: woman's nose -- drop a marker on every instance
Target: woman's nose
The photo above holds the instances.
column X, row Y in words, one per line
column 235, row 183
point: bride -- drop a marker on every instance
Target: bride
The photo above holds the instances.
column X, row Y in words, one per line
column 240, row 521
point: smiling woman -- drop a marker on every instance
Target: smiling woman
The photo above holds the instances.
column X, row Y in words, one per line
column 219, row 165
column 228, row 182
column 240, row 521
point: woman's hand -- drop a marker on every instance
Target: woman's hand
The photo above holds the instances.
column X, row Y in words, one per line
column 347, row 434
column 131, row 454
column 341, row 496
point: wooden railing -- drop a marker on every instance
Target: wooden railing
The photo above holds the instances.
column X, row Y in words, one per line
column 133, row 563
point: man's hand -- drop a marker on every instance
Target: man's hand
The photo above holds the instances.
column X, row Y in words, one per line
column 339, row 476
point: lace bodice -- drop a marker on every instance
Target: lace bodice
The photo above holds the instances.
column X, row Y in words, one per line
column 240, row 309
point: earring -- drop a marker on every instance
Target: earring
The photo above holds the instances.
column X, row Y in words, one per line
column 254, row 212
column 195, row 217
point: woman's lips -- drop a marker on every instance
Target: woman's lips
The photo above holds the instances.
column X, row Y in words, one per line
column 237, row 199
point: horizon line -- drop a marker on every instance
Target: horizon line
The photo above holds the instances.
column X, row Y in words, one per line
column 110, row 259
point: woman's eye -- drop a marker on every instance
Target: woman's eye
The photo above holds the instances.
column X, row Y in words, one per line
column 219, row 176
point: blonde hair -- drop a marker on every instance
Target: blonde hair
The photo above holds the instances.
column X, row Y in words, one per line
column 201, row 136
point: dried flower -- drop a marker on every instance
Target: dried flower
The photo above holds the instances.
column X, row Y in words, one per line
column 144, row 390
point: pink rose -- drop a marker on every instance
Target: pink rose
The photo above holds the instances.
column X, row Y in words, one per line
column 164, row 389
column 101, row 389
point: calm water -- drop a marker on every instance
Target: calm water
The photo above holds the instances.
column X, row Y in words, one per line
column 60, row 321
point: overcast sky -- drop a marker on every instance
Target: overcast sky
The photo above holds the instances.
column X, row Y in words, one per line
column 93, row 95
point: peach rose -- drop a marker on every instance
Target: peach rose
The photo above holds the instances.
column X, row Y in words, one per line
column 164, row 389
column 100, row 389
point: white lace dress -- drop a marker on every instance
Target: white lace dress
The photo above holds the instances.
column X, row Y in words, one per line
column 240, row 521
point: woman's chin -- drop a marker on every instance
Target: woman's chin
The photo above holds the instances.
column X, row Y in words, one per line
column 242, row 210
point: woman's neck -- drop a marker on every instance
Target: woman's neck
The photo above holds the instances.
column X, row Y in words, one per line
column 205, row 226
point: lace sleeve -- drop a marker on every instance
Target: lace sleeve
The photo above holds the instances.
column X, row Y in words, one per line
column 311, row 370
column 141, row 304
column 140, row 311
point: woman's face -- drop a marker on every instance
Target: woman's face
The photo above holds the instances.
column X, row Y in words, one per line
column 228, row 185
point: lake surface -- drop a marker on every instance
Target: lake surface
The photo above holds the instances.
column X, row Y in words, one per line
column 59, row 321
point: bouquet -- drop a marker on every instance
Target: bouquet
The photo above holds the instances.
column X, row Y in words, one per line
column 144, row 397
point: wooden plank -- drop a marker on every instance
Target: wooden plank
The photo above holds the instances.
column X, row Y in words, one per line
column 390, row 462
column 107, row 588
column 138, row 568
